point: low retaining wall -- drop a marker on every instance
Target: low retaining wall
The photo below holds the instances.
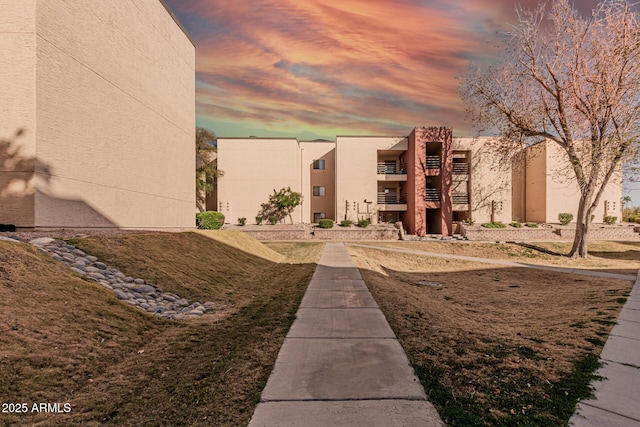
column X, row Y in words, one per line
column 296, row 232
column 603, row 233
column 279, row 234
column 546, row 233
column 341, row 233
column 509, row 234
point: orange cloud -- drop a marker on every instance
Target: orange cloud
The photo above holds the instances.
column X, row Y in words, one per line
column 368, row 67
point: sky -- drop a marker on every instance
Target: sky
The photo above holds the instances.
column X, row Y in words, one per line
column 319, row 68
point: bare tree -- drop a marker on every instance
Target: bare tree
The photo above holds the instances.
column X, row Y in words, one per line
column 570, row 79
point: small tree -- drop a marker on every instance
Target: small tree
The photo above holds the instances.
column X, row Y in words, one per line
column 571, row 80
column 281, row 204
column 207, row 172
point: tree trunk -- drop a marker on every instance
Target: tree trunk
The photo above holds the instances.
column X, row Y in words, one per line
column 583, row 223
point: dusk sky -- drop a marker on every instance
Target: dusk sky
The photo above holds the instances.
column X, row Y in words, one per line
column 320, row 68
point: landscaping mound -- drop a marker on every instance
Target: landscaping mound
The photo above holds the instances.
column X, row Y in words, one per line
column 244, row 242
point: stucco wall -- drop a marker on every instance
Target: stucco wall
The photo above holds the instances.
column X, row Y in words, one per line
column 490, row 180
column 253, row 168
column 311, row 151
column 356, row 173
column 536, row 184
column 563, row 194
column 17, row 111
column 115, row 91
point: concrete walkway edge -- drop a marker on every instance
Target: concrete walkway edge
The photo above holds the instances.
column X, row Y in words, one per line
column 616, row 398
column 341, row 364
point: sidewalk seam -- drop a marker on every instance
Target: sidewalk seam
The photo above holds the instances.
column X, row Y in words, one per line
column 611, row 412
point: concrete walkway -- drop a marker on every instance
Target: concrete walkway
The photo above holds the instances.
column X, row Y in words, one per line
column 341, row 364
column 617, row 396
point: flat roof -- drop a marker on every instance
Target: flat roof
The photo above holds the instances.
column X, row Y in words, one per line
column 177, row 21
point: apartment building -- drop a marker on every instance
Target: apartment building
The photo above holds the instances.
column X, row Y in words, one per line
column 428, row 180
column 97, row 119
column 544, row 186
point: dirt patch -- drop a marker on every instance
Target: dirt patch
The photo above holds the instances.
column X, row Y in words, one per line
column 66, row 339
column 494, row 345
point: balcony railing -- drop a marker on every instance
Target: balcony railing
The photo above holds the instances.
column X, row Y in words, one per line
column 432, row 195
column 432, row 162
column 392, row 199
column 391, row 169
column 461, row 168
column 460, row 198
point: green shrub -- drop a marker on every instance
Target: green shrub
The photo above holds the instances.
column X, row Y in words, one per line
column 325, row 223
column 364, row 223
column 258, row 220
column 273, row 220
column 242, row 221
column 496, row 224
column 210, row 220
column 346, row 223
column 531, row 225
column 610, row 220
column 638, row 220
column 516, row 224
column 565, row 218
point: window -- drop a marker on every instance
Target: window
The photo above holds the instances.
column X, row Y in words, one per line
column 318, row 164
column 317, row 216
column 318, row 191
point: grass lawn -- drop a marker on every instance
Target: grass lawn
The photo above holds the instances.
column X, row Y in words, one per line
column 496, row 345
column 611, row 256
column 67, row 339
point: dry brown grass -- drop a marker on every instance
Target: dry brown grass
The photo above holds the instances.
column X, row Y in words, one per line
column 492, row 343
column 611, row 256
column 66, row 339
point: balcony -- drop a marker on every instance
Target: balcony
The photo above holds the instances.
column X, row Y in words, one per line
column 460, row 198
column 460, row 168
column 388, row 171
column 392, row 201
column 432, row 195
column 392, row 198
column 432, row 162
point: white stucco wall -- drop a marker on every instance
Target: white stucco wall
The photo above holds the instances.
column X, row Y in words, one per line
column 562, row 191
column 356, row 173
column 116, row 115
column 253, row 168
column 105, row 95
column 490, row 180
column 17, row 111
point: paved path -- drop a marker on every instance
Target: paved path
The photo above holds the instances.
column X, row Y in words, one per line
column 503, row 262
column 617, row 397
column 341, row 364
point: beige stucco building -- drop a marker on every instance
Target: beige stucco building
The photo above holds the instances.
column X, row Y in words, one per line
column 544, row 186
column 428, row 180
column 97, row 118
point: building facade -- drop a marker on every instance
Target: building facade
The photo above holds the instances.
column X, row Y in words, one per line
column 428, row 180
column 97, row 121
